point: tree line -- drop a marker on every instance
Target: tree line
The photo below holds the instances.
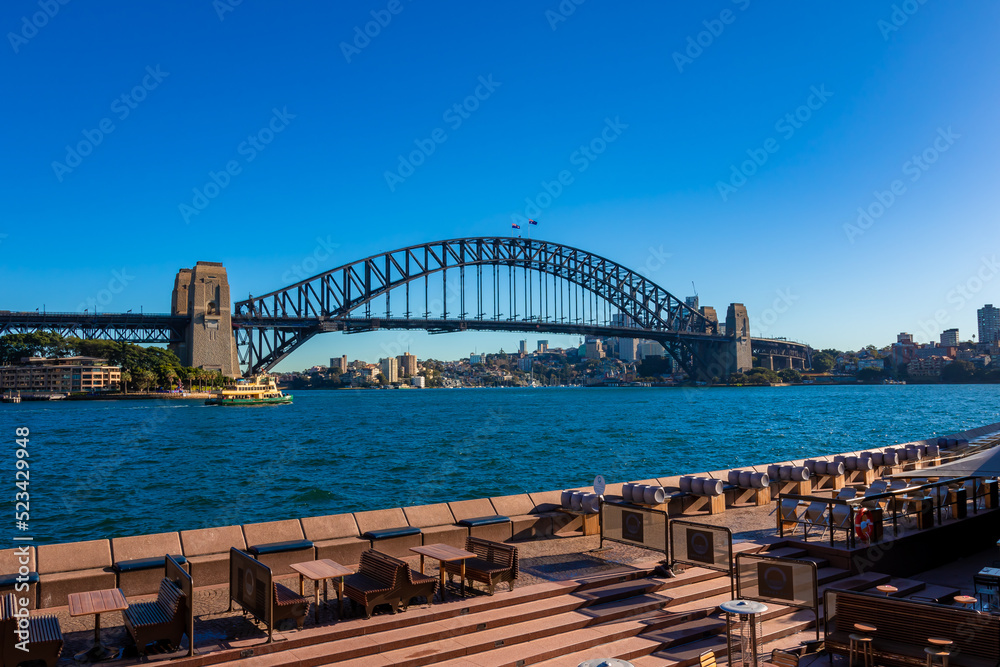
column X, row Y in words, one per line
column 143, row 368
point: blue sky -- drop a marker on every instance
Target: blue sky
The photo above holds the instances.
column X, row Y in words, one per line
column 747, row 136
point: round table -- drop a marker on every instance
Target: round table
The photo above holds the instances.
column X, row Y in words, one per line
column 887, row 589
column 965, row 599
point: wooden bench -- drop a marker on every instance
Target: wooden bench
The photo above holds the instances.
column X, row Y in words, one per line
column 903, row 627
column 288, row 604
column 42, row 636
column 380, row 579
column 495, row 562
column 417, row 585
column 160, row 620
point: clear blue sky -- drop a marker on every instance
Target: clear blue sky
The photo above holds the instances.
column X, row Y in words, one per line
column 208, row 78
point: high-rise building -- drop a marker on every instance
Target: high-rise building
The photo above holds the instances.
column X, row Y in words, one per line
column 543, row 346
column 904, row 338
column 989, row 323
column 390, row 369
column 407, row 364
column 628, row 349
column 949, row 338
column 524, row 347
column 339, row 364
column 691, row 301
column 594, row 348
column 475, row 358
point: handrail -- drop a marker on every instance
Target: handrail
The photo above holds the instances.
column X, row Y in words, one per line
column 895, row 499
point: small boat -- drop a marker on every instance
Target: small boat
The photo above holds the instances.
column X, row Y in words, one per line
column 258, row 390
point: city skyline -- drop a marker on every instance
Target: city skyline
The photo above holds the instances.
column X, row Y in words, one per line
column 717, row 145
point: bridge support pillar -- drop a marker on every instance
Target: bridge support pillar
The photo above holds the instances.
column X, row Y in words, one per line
column 738, row 330
column 202, row 293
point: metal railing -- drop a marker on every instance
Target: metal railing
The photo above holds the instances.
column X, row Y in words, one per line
column 922, row 502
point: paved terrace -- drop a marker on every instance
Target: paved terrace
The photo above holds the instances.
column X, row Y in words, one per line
column 618, row 580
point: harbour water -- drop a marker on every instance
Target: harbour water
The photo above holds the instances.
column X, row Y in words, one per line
column 110, row 468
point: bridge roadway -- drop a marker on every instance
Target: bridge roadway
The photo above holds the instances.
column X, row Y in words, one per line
column 164, row 328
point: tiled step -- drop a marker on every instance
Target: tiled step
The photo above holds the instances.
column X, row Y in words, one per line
column 624, row 617
column 786, row 552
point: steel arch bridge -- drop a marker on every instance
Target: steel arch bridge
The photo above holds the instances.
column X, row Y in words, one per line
column 471, row 284
column 485, row 284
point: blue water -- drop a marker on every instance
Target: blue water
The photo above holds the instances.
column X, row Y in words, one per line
column 104, row 469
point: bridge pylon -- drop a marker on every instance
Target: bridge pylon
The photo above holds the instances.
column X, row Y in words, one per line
column 202, row 293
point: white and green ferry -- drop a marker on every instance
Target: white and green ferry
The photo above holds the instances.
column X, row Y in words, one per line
column 259, row 390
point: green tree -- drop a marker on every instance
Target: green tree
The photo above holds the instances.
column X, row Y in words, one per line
column 790, row 375
column 822, row 362
column 126, row 378
column 958, row 371
column 144, row 379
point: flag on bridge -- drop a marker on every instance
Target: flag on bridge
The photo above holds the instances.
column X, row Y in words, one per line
column 514, row 225
column 531, row 222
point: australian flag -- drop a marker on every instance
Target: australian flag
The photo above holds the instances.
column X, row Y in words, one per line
column 514, row 225
column 532, row 222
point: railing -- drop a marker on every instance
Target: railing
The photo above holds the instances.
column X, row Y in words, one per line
column 919, row 501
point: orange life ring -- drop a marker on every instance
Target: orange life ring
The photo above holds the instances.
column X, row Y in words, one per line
column 863, row 526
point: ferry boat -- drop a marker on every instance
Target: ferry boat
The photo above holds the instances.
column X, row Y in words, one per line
column 259, row 390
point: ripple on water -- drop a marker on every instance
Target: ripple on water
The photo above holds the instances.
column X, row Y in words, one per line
column 241, row 466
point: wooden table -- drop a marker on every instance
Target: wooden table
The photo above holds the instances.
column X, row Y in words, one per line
column 939, row 641
column 888, row 589
column 965, row 599
column 444, row 553
column 323, row 570
column 97, row 603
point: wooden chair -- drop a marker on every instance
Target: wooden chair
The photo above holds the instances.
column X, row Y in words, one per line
column 289, row 604
column 379, row 580
column 707, row 659
column 495, row 562
column 417, row 585
column 44, row 643
column 160, row 620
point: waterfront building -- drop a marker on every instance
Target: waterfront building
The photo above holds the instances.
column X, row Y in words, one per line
column 418, row 381
column 543, row 346
column 407, row 364
column 930, row 366
column 903, row 351
column 989, row 323
column 390, row 369
column 524, row 364
column 338, row 364
column 949, row 338
column 61, row 375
